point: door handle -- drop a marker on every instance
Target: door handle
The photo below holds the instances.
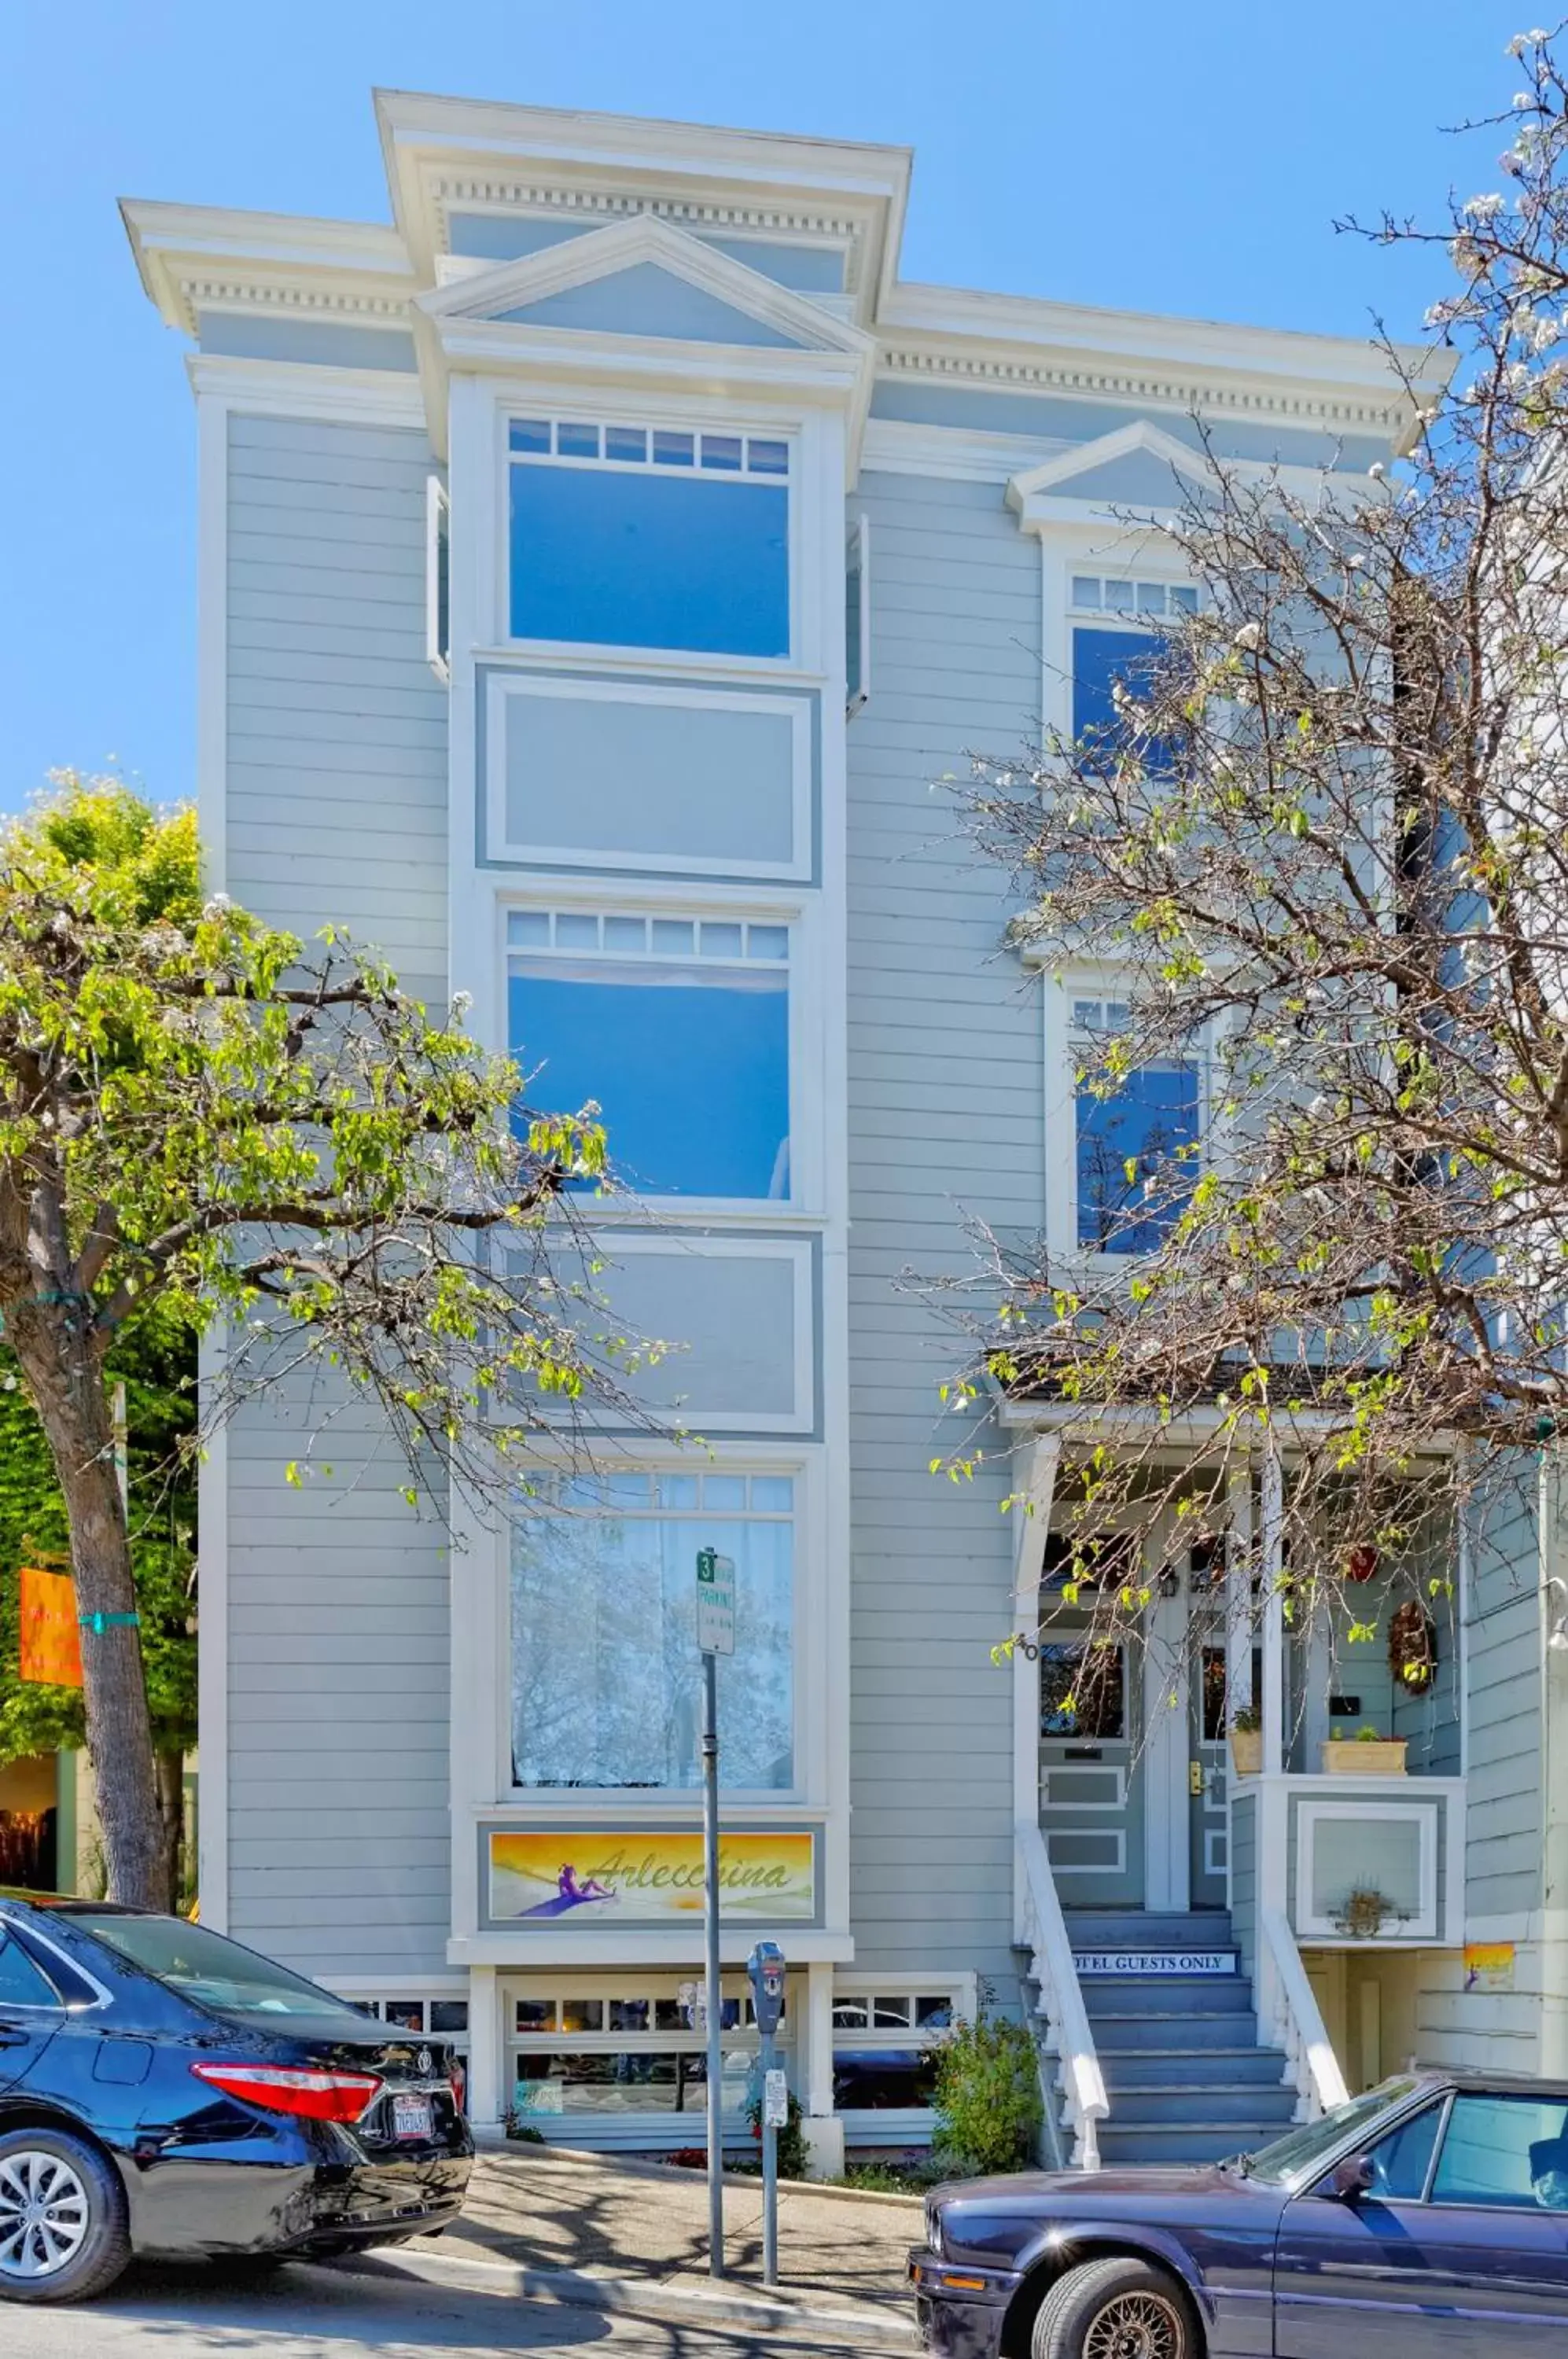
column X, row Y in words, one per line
column 14, row 2035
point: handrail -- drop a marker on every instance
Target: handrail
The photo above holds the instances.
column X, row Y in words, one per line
column 1286, row 1995
column 1045, row 1935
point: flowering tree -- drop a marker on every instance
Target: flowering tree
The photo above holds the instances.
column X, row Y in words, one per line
column 200, row 1121
column 1326, row 844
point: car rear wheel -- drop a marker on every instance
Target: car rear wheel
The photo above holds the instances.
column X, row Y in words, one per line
column 1114, row 2309
column 62, row 2218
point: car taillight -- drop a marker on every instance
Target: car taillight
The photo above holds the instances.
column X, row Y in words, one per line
column 459, row 2080
column 282, row 2088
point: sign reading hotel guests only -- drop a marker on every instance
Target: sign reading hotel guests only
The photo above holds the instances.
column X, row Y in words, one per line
column 1155, row 1961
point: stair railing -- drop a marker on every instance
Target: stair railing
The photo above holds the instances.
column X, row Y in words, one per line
column 1285, row 2000
column 1068, row 2035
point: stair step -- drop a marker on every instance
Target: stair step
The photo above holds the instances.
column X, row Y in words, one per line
column 1167, row 1993
column 1181, row 2068
column 1178, row 2107
column 1192, row 2029
column 1177, row 2142
column 1136, row 1929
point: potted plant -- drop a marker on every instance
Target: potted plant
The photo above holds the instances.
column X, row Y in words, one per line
column 1367, row 1753
column 1247, row 1741
column 1363, row 1913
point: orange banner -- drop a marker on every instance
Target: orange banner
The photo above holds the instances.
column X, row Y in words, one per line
column 50, row 1649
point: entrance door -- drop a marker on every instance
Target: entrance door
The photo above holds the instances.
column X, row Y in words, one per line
column 1091, row 1780
column 1208, row 1767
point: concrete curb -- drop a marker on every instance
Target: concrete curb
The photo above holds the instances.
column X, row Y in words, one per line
column 852, row 2330
column 639, row 2167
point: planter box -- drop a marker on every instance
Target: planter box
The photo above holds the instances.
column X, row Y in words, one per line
column 1346, row 1757
column 1247, row 1752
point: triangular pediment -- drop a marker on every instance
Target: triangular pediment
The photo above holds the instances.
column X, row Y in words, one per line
column 643, row 279
column 1139, row 467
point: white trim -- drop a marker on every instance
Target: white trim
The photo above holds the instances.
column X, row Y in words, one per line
column 305, row 389
column 644, row 240
column 1031, row 494
column 857, row 536
column 1312, row 1814
column 212, row 1650
column 1031, row 1529
column 690, row 696
column 553, row 1953
column 212, row 634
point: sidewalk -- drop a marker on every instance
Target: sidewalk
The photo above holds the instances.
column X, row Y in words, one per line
column 633, row 2235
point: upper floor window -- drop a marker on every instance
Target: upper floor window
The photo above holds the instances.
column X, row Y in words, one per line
column 607, row 1681
column 1120, row 644
column 1135, row 1159
column 650, row 537
column 679, row 1026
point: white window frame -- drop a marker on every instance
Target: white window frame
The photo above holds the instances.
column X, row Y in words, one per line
column 634, row 1983
column 801, row 915
column 1105, row 982
column 502, row 688
column 579, row 1803
column 1313, row 1814
column 671, row 418
column 1119, row 552
column 438, row 532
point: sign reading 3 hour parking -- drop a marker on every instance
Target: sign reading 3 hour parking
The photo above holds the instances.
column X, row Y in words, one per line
column 715, row 1602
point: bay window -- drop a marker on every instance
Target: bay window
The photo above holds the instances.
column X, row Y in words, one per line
column 649, row 537
column 605, row 1676
column 678, row 1027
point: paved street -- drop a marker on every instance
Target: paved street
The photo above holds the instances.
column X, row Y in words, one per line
column 319, row 2312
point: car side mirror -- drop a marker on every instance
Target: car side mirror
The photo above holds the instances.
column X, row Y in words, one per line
column 1353, row 2178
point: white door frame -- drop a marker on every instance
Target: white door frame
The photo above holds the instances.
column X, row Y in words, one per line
column 1167, row 1675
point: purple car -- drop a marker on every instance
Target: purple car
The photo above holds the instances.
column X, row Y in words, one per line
column 1426, row 2220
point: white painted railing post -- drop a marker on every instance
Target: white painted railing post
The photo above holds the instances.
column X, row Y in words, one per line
column 1314, row 2067
column 1045, row 1936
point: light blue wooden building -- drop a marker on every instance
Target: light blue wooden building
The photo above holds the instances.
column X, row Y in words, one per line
column 597, row 568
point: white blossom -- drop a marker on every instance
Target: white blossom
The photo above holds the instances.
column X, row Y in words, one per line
column 218, row 907
column 1377, row 470
column 1250, row 636
column 1483, row 209
column 461, row 1002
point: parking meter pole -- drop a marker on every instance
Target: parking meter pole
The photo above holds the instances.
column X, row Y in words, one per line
column 714, row 1986
column 770, row 2176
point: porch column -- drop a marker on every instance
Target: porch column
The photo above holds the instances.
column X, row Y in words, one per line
column 1031, row 1526
column 1272, row 1569
column 487, row 2101
column 1239, row 1696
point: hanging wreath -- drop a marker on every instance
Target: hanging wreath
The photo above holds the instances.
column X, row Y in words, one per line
column 1412, row 1647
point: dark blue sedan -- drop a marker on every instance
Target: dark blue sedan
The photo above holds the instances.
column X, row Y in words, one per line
column 164, row 2089
column 1427, row 2220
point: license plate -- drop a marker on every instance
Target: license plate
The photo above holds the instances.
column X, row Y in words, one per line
column 413, row 2118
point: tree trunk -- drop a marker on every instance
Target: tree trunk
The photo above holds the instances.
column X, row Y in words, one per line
column 170, row 1774
column 65, row 1380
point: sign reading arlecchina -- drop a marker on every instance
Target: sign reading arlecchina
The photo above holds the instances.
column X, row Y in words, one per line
column 1155, row 1961
column 715, row 1602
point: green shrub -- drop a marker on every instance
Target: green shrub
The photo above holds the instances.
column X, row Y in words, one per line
column 988, row 2097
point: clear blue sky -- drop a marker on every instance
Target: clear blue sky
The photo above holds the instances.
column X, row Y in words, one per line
column 1167, row 155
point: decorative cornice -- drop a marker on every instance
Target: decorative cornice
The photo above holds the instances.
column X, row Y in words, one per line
column 1117, row 382
column 276, row 295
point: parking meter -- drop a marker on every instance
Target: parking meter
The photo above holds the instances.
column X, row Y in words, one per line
column 765, row 1968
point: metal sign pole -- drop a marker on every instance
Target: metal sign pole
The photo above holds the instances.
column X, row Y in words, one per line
column 769, row 2171
column 714, row 1987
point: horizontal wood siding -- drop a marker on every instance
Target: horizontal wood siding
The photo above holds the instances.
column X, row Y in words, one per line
column 1504, row 1873
column 945, row 1111
column 338, row 1606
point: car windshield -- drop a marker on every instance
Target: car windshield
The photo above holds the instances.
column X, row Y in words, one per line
column 214, row 1971
column 1291, row 2160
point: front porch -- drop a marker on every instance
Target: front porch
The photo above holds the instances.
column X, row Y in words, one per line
column 1140, row 1804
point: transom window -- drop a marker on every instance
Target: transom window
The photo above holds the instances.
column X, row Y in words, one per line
column 677, row 1026
column 1134, row 1149
column 1097, row 594
column 606, row 1679
column 650, row 537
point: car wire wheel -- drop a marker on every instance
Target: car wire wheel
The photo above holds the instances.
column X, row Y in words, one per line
column 1136, row 2326
column 1118, row 2308
column 44, row 2213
